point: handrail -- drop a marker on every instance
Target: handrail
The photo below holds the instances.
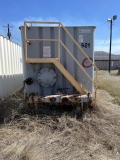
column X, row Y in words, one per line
column 60, row 42
column 78, row 46
column 83, row 52
column 41, row 22
column 60, row 24
column 76, row 61
column 54, row 40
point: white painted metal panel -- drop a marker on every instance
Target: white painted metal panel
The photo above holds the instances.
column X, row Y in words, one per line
column 11, row 72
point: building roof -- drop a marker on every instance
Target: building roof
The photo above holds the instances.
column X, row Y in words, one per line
column 104, row 56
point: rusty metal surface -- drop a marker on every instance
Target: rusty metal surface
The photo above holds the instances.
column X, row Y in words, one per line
column 34, row 98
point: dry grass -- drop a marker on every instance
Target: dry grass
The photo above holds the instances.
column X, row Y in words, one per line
column 59, row 135
column 110, row 83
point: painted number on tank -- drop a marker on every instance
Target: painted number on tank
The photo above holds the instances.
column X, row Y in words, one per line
column 85, row 45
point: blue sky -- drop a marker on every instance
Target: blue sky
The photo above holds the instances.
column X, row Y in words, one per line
column 69, row 12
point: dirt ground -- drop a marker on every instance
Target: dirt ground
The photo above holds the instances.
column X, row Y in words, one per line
column 59, row 134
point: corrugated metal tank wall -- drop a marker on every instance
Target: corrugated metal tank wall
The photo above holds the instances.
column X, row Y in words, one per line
column 11, row 70
column 83, row 35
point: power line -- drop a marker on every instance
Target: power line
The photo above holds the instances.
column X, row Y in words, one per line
column 16, row 39
column 101, row 24
column 8, row 32
column 105, row 39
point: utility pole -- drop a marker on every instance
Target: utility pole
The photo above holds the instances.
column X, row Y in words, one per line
column 111, row 22
column 110, row 46
column 8, row 33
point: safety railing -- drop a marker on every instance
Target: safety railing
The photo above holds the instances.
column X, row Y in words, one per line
column 59, row 25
